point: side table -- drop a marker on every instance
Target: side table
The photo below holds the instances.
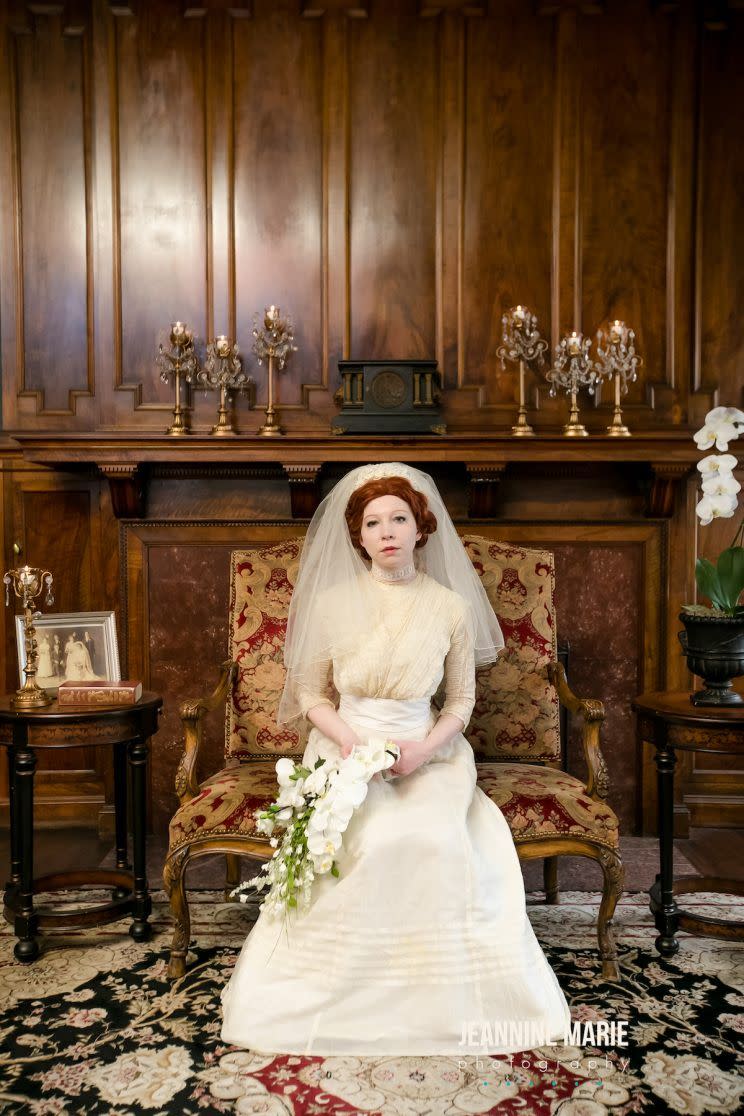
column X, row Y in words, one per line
column 670, row 722
column 24, row 732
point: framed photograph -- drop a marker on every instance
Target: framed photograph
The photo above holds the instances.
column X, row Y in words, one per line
column 73, row 646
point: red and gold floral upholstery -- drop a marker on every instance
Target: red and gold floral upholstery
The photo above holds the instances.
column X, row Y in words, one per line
column 225, row 804
column 516, row 714
column 542, row 802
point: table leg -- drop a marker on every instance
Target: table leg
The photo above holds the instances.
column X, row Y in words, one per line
column 663, row 902
column 15, row 863
column 120, row 812
column 27, row 947
column 140, row 929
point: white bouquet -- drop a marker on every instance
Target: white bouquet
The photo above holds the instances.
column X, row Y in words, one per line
column 313, row 809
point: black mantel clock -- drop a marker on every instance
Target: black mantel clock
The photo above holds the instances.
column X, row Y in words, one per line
column 388, row 397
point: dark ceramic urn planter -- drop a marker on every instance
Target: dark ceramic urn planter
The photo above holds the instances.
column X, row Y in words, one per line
column 714, row 646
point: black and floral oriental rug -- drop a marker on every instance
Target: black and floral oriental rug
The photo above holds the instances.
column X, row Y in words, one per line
column 94, row 1026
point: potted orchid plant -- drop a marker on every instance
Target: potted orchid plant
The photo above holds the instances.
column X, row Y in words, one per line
column 713, row 639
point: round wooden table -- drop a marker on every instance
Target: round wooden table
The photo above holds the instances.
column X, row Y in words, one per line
column 671, row 723
column 24, row 732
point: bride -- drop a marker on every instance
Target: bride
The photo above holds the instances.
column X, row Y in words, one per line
column 424, row 937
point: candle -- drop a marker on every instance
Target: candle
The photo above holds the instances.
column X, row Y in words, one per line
column 519, row 316
column 223, row 345
column 574, row 343
column 617, row 331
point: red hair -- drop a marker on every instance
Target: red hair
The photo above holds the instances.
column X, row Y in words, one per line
column 426, row 521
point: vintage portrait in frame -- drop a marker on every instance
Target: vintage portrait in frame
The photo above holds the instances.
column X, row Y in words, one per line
column 73, row 647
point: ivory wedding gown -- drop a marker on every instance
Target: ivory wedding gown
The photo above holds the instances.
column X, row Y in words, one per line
column 425, row 932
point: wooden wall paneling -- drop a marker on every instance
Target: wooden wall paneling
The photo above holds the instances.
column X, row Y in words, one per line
column 718, row 376
column 394, row 160
column 510, row 89
column 625, row 179
column 46, row 273
column 669, row 399
column 54, row 525
column 278, row 194
column 335, row 293
column 158, row 73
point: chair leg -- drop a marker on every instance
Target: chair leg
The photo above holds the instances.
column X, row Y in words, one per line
column 550, row 879
column 614, row 880
column 174, row 879
column 232, row 873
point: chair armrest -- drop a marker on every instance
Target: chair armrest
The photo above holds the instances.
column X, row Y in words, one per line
column 192, row 716
column 592, row 714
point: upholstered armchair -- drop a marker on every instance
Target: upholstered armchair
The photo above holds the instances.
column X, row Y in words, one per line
column 514, row 732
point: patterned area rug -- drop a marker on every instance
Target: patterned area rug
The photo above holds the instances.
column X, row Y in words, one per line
column 94, row 1026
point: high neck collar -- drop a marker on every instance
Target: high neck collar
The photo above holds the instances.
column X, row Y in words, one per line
column 404, row 575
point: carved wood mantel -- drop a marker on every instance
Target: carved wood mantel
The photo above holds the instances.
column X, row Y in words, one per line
column 660, row 462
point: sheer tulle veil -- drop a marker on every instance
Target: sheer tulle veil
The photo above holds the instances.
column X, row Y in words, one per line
column 334, row 598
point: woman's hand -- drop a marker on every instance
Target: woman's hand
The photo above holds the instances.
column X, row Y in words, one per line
column 350, row 741
column 412, row 754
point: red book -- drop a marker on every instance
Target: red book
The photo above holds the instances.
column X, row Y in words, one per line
column 126, row 692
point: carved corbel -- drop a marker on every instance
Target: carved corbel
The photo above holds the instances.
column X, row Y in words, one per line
column 127, row 488
column 304, row 493
column 662, row 487
column 484, row 485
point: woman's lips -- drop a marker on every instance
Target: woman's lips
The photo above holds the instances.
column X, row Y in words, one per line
column 389, row 549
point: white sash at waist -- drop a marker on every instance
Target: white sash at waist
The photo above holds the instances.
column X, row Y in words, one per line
column 387, row 715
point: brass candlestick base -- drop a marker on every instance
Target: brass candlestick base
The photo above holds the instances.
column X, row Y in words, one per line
column 522, row 428
column 28, row 583
column 617, row 428
column 224, row 427
column 574, row 428
column 271, row 428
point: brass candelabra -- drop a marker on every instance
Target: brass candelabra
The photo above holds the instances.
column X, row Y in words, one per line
column 572, row 370
column 522, row 344
column 28, row 583
column 180, row 364
column 273, row 343
column 618, row 361
column 223, row 371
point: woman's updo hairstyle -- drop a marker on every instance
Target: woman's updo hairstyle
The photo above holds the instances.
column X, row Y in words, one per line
column 426, row 521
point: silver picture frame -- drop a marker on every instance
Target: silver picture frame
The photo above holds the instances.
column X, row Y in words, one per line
column 73, row 647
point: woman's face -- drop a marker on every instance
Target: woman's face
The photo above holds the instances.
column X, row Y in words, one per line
column 389, row 532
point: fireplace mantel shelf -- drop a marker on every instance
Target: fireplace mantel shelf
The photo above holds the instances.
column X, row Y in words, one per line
column 661, row 459
column 671, row 447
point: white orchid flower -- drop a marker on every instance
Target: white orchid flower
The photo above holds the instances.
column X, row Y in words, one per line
column 715, row 507
column 722, row 425
column 265, row 825
column 284, row 770
column 721, row 484
column 323, row 864
column 320, row 844
column 717, row 463
column 317, row 781
column 283, row 815
column 291, row 796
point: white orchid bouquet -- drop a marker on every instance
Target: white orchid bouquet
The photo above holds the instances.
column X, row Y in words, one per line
column 312, row 811
column 722, row 583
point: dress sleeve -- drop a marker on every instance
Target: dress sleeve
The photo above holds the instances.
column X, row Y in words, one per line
column 459, row 673
column 312, row 689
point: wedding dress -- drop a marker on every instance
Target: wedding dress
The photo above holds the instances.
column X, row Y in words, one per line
column 425, row 931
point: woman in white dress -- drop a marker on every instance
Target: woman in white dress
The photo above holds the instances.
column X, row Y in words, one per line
column 45, row 668
column 423, row 940
column 78, row 667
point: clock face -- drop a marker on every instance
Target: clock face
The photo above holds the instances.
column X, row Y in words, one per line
column 388, row 389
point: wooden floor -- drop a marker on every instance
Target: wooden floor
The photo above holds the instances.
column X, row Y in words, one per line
column 718, row 852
